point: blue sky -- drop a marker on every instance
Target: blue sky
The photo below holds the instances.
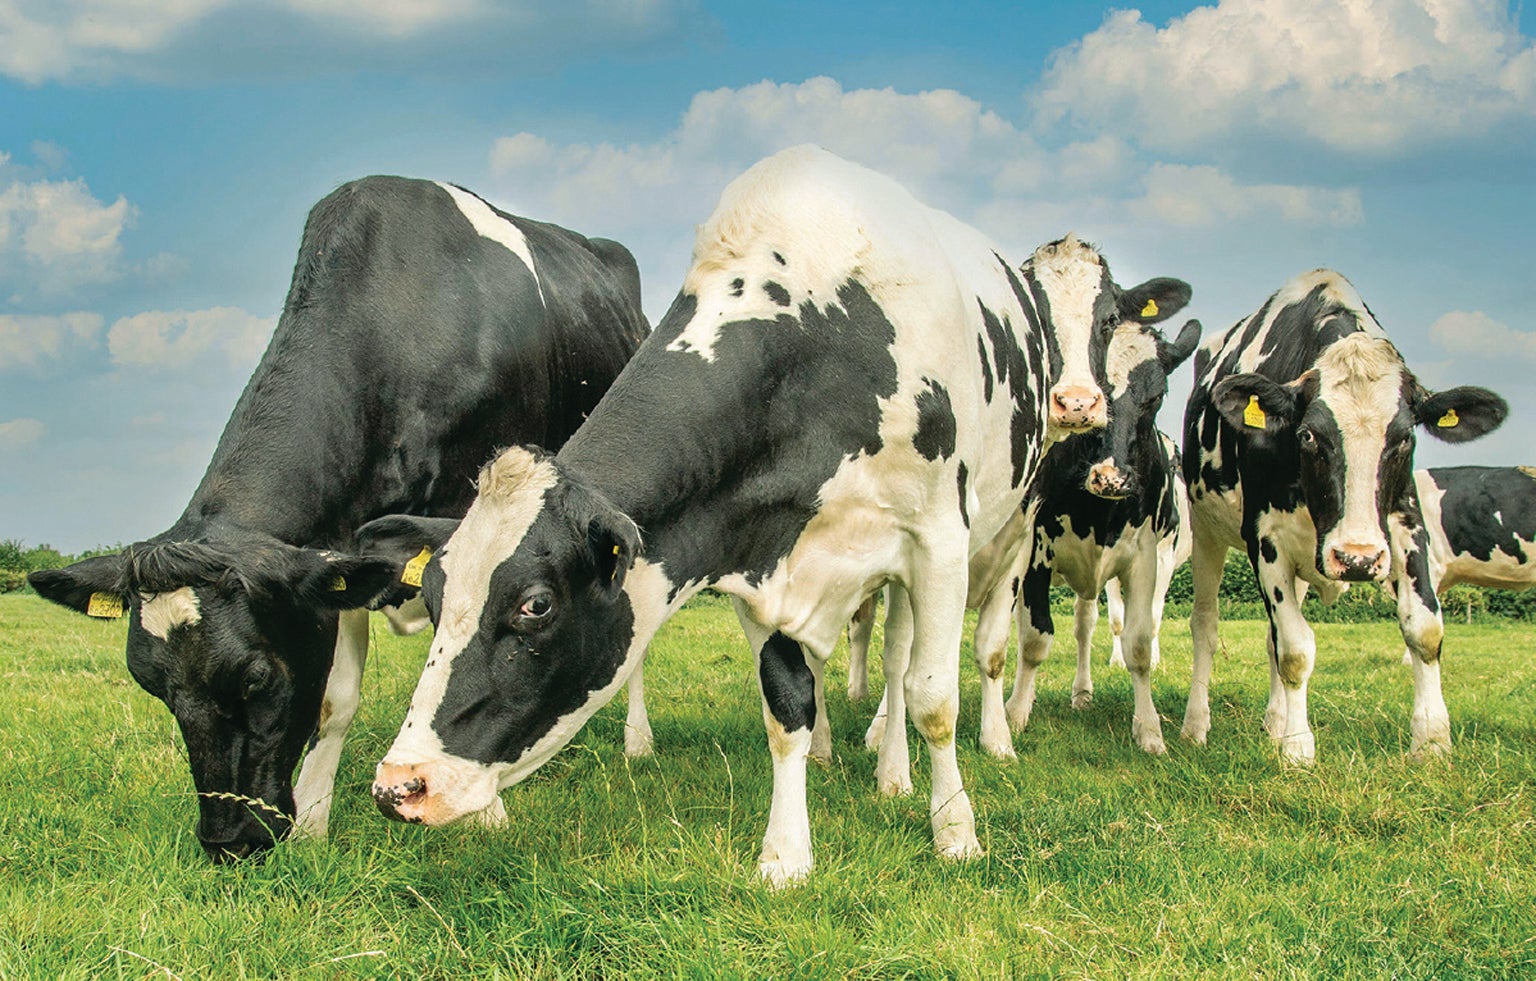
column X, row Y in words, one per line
column 157, row 160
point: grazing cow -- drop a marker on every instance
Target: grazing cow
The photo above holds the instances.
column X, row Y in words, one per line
column 1101, row 507
column 850, row 389
column 423, row 329
column 1482, row 527
column 1298, row 448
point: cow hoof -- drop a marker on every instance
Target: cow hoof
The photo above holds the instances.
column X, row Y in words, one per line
column 780, row 874
column 895, row 786
column 1149, row 738
column 638, row 743
column 1082, row 699
column 962, row 849
column 1002, row 749
column 1430, row 751
column 1195, row 732
column 1299, row 750
column 857, row 692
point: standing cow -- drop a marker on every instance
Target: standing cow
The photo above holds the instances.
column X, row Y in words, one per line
column 849, row 389
column 423, row 329
column 1100, row 506
column 1298, row 448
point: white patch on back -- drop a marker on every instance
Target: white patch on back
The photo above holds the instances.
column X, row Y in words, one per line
column 160, row 613
column 494, row 227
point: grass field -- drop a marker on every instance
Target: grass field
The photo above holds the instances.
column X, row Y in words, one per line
column 1100, row 862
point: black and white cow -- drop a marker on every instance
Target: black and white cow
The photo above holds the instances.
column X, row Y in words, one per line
column 422, row 330
column 1101, row 507
column 1298, row 448
column 850, row 389
column 1482, row 527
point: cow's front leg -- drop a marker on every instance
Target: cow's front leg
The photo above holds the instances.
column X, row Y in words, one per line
column 1294, row 652
column 1085, row 616
column 313, row 791
column 1206, row 561
column 1420, row 619
column 994, row 620
column 932, row 685
column 789, row 715
column 638, row 740
column 888, row 731
column 1035, row 632
column 1140, row 634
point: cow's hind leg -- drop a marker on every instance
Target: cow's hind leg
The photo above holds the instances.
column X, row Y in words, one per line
column 1115, row 606
column 313, row 791
column 1035, row 633
column 888, row 731
column 993, row 622
column 1085, row 616
column 789, row 715
column 1206, row 561
column 860, row 630
column 1420, row 619
column 638, row 740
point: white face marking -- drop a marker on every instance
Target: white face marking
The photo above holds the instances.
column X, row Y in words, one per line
column 1071, row 273
column 1130, row 348
column 494, row 227
column 1360, row 381
column 511, row 497
column 159, row 613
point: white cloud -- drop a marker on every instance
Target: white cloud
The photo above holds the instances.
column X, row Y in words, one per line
column 1203, row 195
column 56, row 235
column 16, row 434
column 92, row 40
column 175, row 339
column 1355, row 75
column 1462, row 333
column 27, row 341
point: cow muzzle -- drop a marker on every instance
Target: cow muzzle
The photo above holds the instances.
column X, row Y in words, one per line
column 1078, row 407
column 1356, row 562
column 432, row 793
column 1109, row 481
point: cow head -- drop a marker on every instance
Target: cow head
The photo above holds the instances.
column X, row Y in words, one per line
column 236, row 637
column 534, row 634
column 1137, row 365
column 1349, row 423
column 1078, row 298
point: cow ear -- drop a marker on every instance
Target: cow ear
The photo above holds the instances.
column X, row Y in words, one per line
column 1155, row 300
column 1458, row 415
column 407, row 542
column 613, row 542
column 91, row 586
column 328, row 581
column 1250, row 402
column 1171, row 355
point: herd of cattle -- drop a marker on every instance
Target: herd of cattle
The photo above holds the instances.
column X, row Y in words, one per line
column 851, row 391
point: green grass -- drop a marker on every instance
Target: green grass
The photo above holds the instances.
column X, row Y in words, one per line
column 1101, row 862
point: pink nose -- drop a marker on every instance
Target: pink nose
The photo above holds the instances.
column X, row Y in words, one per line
column 1078, row 407
column 1108, row 480
column 1356, row 562
column 400, row 792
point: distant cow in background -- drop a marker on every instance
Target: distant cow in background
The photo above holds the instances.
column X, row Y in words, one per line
column 1298, row 448
column 1098, row 508
column 1482, row 527
column 423, row 329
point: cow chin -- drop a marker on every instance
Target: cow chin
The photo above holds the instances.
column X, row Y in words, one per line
column 435, row 792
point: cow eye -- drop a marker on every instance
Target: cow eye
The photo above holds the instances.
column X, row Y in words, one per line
column 258, row 678
column 1308, row 439
column 536, row 607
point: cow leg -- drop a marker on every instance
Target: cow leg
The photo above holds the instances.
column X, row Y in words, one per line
column 860, row 630
column 313, row 791
column 1206, row 562
column 638, row 740
column 1085, row 616
column 994, row 620
column 937, row 600
column 1140, row 635
column 1293, row 654
column 789, row 709
column 893, row 768
column 821, row 731
column 1274, row 712
column 1035, row 632
column 1116, row 607
column 1420, row 619
column 1165, row 569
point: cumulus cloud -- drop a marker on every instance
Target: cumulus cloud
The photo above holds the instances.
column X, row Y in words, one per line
column 175, row 339
column 949, row 149
column 1479, row 335
column 93, row 40
column 1356, row 75
column 56, row 235
column 16, row 434
column 28, row 341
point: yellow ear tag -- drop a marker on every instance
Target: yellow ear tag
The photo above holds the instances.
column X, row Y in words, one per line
column 1449, row 420
column 1253, row 416
column 615, row 550
column 1150, row 310
column 411, row 576
column 339, row 584
column 105, row 606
